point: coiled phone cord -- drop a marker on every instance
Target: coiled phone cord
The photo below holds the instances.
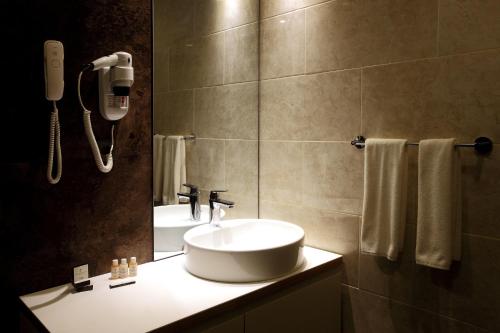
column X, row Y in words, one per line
column 103, row 167
column 54, row 144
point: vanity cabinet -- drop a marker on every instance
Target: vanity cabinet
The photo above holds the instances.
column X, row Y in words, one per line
column 312, row 306
column 167, row 298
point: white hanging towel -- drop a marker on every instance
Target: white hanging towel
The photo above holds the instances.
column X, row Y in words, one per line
column 384, row 202
column 175, row 169
column 439, row 219
column 158, row 166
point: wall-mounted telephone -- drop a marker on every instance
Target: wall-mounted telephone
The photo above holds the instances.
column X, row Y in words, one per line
column 54, row 88
column 116, row 76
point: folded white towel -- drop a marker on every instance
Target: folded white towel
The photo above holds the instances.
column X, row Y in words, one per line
column 439, row 222
column 384, row 202
column 175, row 169
column 158, row 166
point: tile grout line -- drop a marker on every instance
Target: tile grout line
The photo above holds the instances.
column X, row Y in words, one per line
column 225, row 30
column 481, row 236
column 408, row 61
column 326, row 210
column 213, row 86
column 296, row 10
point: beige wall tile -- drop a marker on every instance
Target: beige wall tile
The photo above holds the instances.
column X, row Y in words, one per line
column 245, row 206
column 229, row 111
column 481, row 193
column 197, row 63
column 174, row 113
column 209, row 16
column 444, row 97
column 242, row 167
column 317, row 107
column 326, row 230
column 241, row 54
column 209, row 60
column 334, row 232
column 274, row 7
column 160, row 112
column 469, row 290
column 394, row 279
column 205, row 163
column 332, row 103
column 173, row 21
column 282, row 99
column 282, row 45
column 217, row 15
column 161, row 72
column 182, row 66
column 209, row 114
column 241, row 109
column 333, row 177
column 367, row 312
column 280, row 172
column 469, row 25
column 347, row 34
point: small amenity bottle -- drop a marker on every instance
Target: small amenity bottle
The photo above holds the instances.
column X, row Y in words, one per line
column 115, row 269
column 132, row 268
column 123, row 268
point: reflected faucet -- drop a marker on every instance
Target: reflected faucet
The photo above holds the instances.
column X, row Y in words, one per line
column 194, row 201
column 215, row 205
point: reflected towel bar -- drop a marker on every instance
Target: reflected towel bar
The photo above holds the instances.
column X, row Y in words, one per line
column 481, row 145
column 189, row 137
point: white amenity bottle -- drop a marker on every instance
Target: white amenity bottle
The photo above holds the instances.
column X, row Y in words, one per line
column 115, row 269
column 123, row 268
column 132, row 268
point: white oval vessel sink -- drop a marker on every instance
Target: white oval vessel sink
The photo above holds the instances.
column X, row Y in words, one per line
column 171, row 223
column 243, row 250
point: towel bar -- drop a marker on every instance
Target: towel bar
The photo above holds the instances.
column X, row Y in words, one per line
column 481, row 145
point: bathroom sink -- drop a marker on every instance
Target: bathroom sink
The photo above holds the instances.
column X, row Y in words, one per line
column 170, row 224
column 243, row 250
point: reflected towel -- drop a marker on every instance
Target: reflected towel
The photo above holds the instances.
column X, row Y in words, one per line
column 384, row 202
column 439, row 204
column 175, row 169
column 158, row 163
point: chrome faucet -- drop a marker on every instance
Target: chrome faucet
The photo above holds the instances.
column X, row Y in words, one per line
column 194, row 201
column 215, row 205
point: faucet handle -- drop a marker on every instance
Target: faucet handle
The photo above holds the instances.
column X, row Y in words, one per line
column 193, row 189
column 214, row 195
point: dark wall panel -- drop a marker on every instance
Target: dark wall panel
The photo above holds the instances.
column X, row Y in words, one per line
column 89, row 217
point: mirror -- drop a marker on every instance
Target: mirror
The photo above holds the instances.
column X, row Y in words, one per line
column 205, row 104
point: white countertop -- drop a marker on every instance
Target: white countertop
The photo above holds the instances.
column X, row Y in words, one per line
column 164, row 293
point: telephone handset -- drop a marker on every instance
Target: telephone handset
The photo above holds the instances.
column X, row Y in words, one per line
column 54, row 88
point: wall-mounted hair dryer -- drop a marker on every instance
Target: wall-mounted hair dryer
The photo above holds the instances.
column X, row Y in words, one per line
column 116, row 76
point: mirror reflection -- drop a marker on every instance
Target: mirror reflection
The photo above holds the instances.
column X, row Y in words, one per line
column 205, row 101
